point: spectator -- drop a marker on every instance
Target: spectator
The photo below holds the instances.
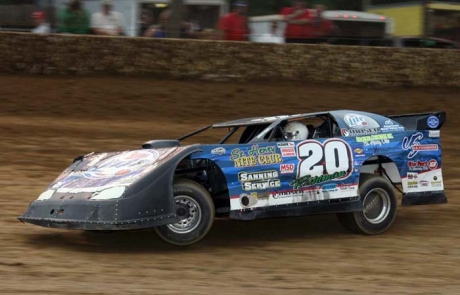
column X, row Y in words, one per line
column 322, row 27
column 234, row 25
column 146, row 21
column 108, row 22
column 73, row 19
column 42, row 26
column 271, row 37
column 298, row 27
column 159, row 30
column 187, row 29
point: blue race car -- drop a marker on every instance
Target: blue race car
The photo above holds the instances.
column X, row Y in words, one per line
column 344, row 162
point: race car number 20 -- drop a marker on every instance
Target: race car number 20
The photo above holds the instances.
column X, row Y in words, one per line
column 321, row 162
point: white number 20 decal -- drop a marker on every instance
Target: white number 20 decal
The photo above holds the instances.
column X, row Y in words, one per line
column 334, row 156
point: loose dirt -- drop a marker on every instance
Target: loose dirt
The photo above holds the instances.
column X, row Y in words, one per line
column 46, row 121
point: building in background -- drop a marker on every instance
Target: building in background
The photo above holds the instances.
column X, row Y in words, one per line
column 440, row 19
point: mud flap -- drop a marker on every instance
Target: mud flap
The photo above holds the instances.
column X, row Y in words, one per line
column 424, row 198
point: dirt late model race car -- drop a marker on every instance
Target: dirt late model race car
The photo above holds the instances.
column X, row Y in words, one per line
column 344, row 162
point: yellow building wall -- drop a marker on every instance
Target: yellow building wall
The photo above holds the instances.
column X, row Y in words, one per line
column 407, row 19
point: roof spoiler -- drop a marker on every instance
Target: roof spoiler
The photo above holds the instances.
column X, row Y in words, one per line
column 423, row 121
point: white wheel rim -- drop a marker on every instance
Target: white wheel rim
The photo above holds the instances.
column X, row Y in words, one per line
column 192, row 216
column 377, row 205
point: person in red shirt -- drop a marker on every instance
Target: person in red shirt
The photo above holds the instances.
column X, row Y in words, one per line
column 298, row 23
column 234, row 25
column 322, row 27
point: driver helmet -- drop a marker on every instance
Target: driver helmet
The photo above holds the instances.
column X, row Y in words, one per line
column 295, row 131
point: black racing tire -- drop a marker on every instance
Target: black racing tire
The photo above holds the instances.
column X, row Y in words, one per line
column 380, row 206
column 194, row 203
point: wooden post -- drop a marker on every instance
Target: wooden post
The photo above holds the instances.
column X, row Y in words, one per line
column 173, row 27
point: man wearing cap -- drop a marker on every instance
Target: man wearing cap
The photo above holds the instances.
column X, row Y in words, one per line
column 73, row 19
column 42, row 27
column 108, row 22
column 298, row 23
column 234, row 25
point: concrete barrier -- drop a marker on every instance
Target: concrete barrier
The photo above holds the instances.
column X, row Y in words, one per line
column 198, row 59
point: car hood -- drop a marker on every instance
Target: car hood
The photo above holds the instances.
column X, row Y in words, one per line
column 97, row 171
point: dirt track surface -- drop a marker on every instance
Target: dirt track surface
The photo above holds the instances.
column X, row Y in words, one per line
column 45, row 122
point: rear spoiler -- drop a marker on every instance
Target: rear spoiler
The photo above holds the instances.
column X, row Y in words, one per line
column 425, row 121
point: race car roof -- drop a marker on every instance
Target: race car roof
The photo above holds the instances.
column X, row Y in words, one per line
column 264, row 120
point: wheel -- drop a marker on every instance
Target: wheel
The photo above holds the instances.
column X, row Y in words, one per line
column 380, row 205
column 195, row 209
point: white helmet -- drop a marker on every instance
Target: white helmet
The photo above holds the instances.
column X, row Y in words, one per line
column 295, row 131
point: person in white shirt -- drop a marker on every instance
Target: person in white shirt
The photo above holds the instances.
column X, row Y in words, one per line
column 108, row 22
column 42, row 27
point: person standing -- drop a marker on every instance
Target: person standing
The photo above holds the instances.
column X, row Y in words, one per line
column 298, row 23
column 73, row 19
column 41, row 25
column 107, row 21
column 234, row 25
column 322, row 27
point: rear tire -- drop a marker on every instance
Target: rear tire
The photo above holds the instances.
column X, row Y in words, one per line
column 195, row 207
column 380, row 206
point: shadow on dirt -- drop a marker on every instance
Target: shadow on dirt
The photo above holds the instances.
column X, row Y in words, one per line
column 224, row 234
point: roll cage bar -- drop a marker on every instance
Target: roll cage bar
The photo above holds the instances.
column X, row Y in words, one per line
column 256, row 133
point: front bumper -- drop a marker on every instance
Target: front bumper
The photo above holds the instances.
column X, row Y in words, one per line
column 76, row 211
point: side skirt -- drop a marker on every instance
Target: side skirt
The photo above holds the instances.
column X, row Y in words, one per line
column 300, row 209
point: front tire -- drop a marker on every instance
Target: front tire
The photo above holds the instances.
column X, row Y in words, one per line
column 380, row 206
column 195, row 207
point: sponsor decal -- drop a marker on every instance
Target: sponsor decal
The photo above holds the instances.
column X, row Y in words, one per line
column 355, row 121
column 332, row 187
column 261, row 185
column 413, row 145
column 436, row 183
column 288, row 152
column 309, row 180
column 263, row 175
column 391, row 126
column 411, row 175
column 218, row 151
column 256, row 156
column 359, row 152
column 422, row 165
column 305, row 195
column 285, row 144
column 359, row 132
column 259, row 180
column 432, row 121
column 377, row 139
column 287, row 168
column 346, row 187
column 381, row 149
column 434, row 133
column 322, row 162
column 412, row 184
column 122, row 164
column 423, row 183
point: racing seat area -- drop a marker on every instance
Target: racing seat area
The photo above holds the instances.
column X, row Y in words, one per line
column 311, row 131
